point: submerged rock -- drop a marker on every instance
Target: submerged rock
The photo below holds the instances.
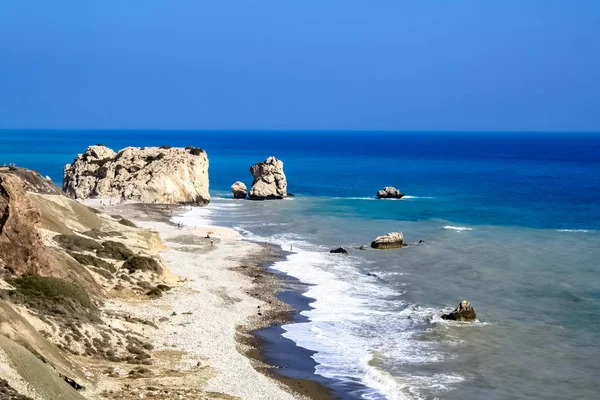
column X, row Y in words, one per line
column 389, row 192
column 151, row 174
column 392, row 240
column 269, row 182
column 339, row 250
column 464, row 312
column 239, row 190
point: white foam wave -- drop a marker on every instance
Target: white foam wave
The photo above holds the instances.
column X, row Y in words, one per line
column 383, row 381
column 195, row 217
column 348, row 307
column 458, row 228
column 355, row 198
column 574, row 230
column 408, row 197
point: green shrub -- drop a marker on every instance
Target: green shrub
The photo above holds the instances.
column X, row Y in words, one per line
column 114, row 250
column 150, row 159
column 97, row 234
column 53, row 296
column 77, row 243
column 195, row 151
column 154, row 293
column 141, row 263
column 127, row 222
column 86, row 259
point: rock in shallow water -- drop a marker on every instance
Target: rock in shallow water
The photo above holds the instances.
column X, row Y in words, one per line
column 339, row 250
column 239, row 190
column 389, row 192
column 464, row 312
column 392, row 240
column 269, row 182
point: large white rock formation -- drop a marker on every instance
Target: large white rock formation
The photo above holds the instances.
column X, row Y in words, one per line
column 269, row 180
column 151, row 174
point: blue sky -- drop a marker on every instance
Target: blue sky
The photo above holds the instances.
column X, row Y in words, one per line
column 522, row 65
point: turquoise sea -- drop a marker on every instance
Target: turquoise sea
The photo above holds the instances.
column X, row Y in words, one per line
column 511, row 222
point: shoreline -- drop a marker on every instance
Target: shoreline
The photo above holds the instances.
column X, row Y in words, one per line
column 258, row 291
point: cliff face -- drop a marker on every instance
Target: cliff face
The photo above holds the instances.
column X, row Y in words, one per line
column 151, row 174
column 59, row 260
column 21, row 247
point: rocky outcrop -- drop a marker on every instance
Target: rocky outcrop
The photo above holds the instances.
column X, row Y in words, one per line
column 239, row 190
column 389, row 192
column 339, row 250
column 269, row 182
column 464, row 312
column 21, row 246
column 152, row 174
column 392, row 240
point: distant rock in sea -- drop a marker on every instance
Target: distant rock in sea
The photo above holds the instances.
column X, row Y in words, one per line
column 392, row 240
column 339, row 250
column 152, row 174
column 389, row 192
column 464, row 312
column 269, row 182
column 239, row 190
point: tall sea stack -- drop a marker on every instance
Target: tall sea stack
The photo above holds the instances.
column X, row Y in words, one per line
column 269, row 182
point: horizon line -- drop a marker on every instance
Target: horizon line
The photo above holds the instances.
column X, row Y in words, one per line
column 225, row 130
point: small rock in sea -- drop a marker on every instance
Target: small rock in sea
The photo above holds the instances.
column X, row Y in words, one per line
column 339, row 250
column 421, row 241
column 389, row 192
column 362, row 248
column 392, row 240
column 372, row 274
column 464, row 312
column 239, row 190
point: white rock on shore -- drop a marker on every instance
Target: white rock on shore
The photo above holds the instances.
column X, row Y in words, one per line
column 151, row 174
column 270, row 182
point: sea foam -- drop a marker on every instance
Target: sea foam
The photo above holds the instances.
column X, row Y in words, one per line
column 458, row 228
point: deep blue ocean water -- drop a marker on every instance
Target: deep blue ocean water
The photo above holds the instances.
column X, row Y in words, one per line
column 510, row 221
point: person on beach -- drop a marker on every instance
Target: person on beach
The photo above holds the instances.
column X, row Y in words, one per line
column 291, row 248
column 211, row 243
